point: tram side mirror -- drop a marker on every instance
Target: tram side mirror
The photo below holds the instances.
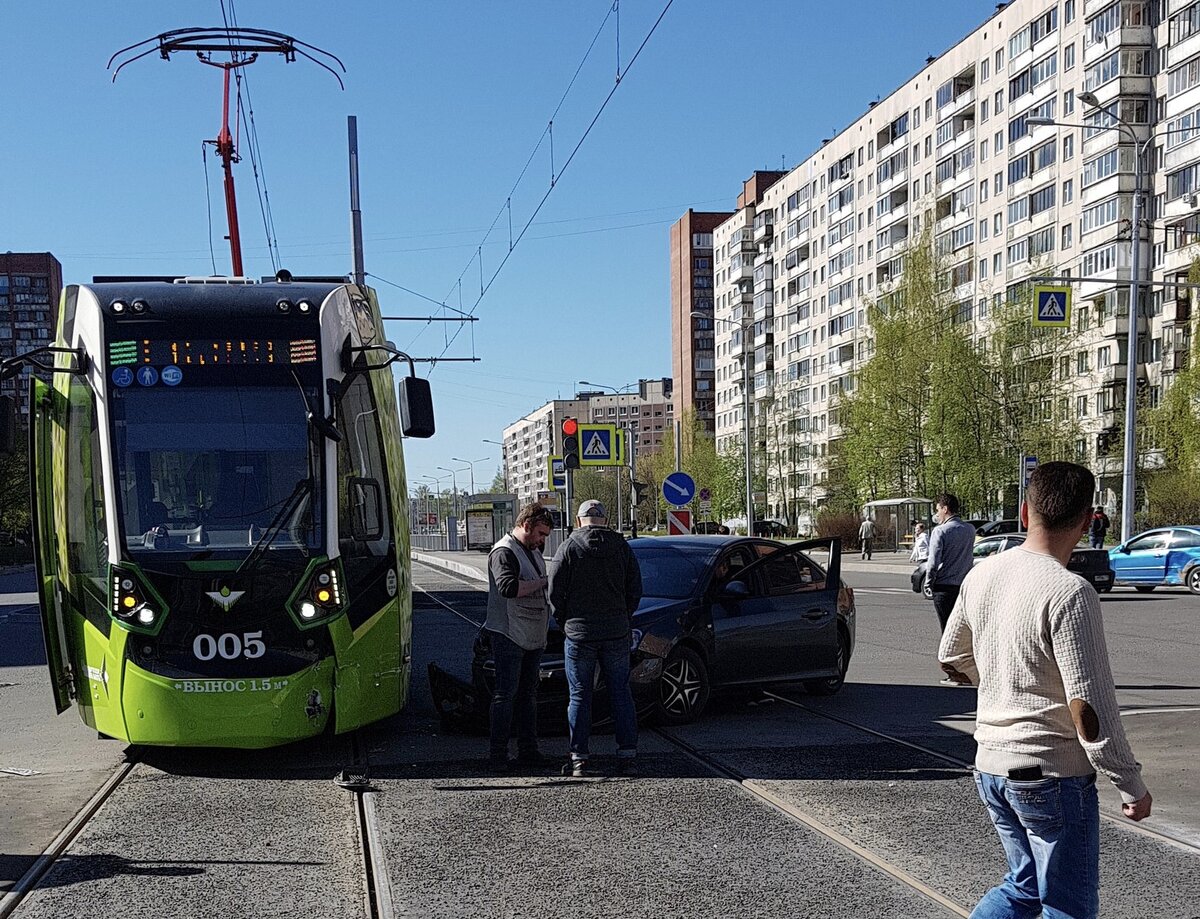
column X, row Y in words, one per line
column 366, row 509
column 416, row 407
column 8, row 425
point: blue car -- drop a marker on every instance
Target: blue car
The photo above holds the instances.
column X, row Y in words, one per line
column 1169, row 556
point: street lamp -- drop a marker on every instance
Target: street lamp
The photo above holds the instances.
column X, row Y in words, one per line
column 631, row 447
column 745, row 324
column 1135, row 264
column 503, row 460
column 453, row 484
column 470, row 463
column 437, row 480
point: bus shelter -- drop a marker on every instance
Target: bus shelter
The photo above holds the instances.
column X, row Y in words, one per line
column 895, row 519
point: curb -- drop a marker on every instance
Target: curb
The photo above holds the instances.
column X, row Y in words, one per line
column 446, row 564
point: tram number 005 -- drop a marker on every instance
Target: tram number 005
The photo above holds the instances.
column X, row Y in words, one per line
column 229, row 645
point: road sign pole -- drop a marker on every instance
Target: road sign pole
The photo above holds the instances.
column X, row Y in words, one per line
column 1020, row 488
column 632, row 448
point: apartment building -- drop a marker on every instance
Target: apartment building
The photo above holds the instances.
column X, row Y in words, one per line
column 952, row 150
column 693, row 365
column 530, row 441
column 30, row 286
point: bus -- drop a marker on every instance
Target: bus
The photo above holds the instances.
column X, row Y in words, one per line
column 219, row 509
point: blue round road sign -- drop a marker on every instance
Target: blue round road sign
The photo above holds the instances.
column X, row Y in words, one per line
column 679, row 488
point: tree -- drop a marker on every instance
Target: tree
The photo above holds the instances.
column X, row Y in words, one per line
column 498, row 482
column 1172, row 429
column 936, row 409
column 14, row 488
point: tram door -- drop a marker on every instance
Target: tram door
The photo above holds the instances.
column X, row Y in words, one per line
column 45, row 416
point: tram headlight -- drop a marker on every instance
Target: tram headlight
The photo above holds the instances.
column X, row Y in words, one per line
column 305, row 306
column 140, row 306
column 118, row 306
column 319, row 596
column 133, row 603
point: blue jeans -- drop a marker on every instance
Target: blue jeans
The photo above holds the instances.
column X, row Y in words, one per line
column 581, row 658
column 515, row 693
column 1050, row 830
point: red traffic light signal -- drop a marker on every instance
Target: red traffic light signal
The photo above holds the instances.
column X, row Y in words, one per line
column 570, row 443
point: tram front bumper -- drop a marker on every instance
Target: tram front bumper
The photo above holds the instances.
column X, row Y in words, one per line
column 244, row 712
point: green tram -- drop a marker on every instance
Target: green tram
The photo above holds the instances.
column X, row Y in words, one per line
column 219, row 509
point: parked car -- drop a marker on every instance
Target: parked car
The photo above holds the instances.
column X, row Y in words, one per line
column 1165, row 557
column 770, row 528
column 996, row 528
column 716, row 611
column 978, row 524
column 1090, row 564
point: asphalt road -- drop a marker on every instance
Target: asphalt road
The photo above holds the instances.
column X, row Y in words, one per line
column 214, row 833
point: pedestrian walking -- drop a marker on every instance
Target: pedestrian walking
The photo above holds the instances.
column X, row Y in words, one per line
column 517, row 621
column 866, row 533
column 950, row 547
column 1098, row 528
column 595, row 585
column 1030, row 635
column 920, row 549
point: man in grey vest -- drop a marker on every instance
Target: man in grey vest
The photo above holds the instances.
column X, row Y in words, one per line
column 517, row 620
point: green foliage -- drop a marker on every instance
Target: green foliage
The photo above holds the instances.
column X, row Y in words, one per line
column 1172, row 490
column 936, row 410
column 14, row 488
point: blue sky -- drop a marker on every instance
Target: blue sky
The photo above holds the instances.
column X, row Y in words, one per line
column 451, row 98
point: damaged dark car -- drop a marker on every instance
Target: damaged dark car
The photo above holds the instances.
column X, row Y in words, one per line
column 716, row 611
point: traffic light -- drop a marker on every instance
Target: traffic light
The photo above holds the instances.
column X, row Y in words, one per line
column 570, row 443
column 638, row 495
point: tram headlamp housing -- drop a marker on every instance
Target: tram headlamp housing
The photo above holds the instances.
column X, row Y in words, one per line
column 320, row 596
column 305, row 306
column 140, row 306
column 119, row 307
column 284, row 305
column 133, row 603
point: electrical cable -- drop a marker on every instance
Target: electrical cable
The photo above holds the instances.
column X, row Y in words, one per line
column 603, row 105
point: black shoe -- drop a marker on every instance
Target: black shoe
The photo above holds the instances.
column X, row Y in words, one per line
column 575, row 768
column 627, row 765
column 498, row 765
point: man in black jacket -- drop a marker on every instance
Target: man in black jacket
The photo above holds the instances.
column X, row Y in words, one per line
column 595, row 586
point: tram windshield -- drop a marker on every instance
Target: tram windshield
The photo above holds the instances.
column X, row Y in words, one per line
column 212, row 471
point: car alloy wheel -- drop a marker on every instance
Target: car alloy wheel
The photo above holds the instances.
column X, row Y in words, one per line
column 683, row 687
column 1193, row 580
column 830, row 685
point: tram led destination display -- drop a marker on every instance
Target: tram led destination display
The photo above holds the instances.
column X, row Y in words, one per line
column 209, row 352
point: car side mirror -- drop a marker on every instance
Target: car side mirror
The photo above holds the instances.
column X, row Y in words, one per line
column 735, row 590
column 1124, row 550
column 366, row 509
column 8, row 425
column 416, row 407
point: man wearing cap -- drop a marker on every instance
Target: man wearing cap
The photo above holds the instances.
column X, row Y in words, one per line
column 595, row 586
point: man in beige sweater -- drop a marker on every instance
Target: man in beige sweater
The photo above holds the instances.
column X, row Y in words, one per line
column 1030, row 635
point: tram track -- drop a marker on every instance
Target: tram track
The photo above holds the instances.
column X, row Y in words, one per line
column 788, row 810
column 28, row 882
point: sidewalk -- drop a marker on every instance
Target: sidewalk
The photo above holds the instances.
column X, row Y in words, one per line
column 474, row 564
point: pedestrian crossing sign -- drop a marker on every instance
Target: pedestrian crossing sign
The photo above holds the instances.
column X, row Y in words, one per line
column 598, row 445
column 1052, row 306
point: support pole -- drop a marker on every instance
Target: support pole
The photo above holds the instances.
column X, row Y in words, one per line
column 356, row 234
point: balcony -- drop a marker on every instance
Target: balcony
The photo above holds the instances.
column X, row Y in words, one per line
column 1111, row 375
column 763, row 230
column 1179, row 310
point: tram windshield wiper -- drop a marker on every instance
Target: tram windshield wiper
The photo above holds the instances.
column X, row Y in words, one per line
column 303, row 488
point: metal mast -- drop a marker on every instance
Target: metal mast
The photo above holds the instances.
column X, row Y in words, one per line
column 243, row 46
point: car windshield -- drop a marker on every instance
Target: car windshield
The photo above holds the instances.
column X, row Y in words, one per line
column 204, row 471
column 670, row 572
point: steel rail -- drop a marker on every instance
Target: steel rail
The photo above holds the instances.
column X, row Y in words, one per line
column 58, row 846
column 1119, row 822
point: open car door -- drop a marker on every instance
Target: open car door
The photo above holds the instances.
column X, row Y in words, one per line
column 47, row 411
column 784, row 626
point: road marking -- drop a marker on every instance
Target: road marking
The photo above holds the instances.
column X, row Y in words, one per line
column 1159, row 711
